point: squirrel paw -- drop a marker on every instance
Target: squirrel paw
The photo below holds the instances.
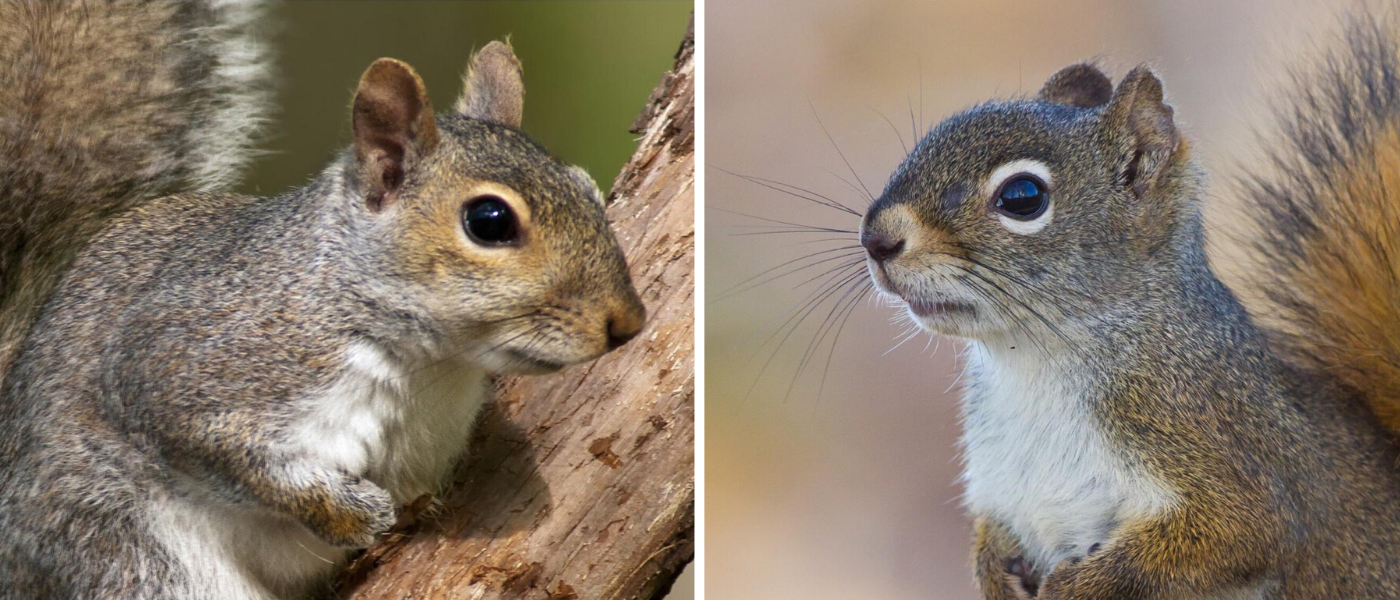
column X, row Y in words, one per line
column 1024, row 581
column 355, row 514
column 1071, row 580
column 1018, row 580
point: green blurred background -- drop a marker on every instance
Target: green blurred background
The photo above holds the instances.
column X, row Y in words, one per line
column 589, row 68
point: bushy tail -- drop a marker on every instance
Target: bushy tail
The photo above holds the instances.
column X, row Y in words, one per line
column 102, row 105
column 1329, row 213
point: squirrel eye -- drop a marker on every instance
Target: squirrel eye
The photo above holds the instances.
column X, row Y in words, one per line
column 490, row 222
column 1022, row 197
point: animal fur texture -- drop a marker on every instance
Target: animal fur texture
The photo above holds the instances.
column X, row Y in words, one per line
column 1131, row 431
column 224, row 395
column 106, row 104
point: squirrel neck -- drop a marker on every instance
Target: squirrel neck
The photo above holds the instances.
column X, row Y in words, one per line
column 321, row 229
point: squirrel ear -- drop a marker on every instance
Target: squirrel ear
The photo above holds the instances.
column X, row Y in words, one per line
column 1082, row 85
column 492, row 89
column 394, row 127
column 1139, row 125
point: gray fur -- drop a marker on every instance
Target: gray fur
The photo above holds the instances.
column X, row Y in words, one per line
column 104, row 105
column 177, row 358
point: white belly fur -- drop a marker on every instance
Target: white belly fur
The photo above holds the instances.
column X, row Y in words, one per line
column 401, row 426
column 1037, row 462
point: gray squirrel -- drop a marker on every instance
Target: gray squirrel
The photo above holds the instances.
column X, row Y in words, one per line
column 210, row 395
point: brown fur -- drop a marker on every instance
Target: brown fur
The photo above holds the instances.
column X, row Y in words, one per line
column 997, row 557
column 493, row 83
column 1234, row 473
column 1329, row 214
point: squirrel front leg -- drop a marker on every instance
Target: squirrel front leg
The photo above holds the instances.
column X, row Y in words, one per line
column 342, row 508
column 1003, row 571
column 1199, row 548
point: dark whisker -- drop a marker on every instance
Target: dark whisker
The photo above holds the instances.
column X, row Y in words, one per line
column 835, row 277
column 821, row 240
column 735, row 289
column 822, row 331
column 912, row 126
column 786, row 223
column 851, row 308
column 838, row 151
column 858, row 261
column 777, row 231
column 791, row 190
column 1032, row 287
column 847, row 183
column 902, row 145
column 1048, row 324
column 529, row 330
column 801, row 316
column 1007, row 314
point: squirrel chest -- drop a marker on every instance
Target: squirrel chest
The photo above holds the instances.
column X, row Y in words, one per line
column 1037, row 461
column 401, row 425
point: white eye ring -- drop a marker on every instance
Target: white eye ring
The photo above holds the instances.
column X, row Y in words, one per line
column 1012, row 169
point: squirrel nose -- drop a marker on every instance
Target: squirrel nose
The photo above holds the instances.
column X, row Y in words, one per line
column 625, row 325
column 881, row 247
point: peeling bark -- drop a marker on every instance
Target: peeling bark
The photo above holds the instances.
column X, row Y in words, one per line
column 580, row 484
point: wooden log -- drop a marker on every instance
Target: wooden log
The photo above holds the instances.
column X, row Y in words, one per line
column 580, row 485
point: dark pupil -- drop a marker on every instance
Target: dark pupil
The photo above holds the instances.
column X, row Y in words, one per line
column 490, row 221
column 1021, row 198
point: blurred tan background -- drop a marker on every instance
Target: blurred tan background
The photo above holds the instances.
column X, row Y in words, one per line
column 855, row 494
column 589, row 69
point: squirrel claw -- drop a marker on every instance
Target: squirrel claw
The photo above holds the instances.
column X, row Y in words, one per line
column 1024, row 576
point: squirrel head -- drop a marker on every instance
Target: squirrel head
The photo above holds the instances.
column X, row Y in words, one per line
column 1034, row 212
column 491, row 244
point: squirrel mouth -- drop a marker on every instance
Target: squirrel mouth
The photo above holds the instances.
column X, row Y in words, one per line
column 927, row 308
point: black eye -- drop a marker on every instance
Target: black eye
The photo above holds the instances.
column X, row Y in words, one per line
column 490, row 222
column 1022, row 198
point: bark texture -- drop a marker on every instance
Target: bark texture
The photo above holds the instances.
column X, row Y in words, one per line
column 581, row 484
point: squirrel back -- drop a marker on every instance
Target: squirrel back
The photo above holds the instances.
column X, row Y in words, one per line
column 104, row 105
column 1329, row 218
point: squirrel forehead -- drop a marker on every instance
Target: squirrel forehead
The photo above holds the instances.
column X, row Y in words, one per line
column 481, row 150
column 994, row 133
column 967, row 147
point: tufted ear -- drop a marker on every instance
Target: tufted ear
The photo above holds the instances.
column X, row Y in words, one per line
column 1082, row 85
column 492, row 89
column 394, row 128
column 1140, row 128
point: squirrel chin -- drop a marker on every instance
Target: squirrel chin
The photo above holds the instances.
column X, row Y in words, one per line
column 956, row 319
column 509, row 361
column 525, row 364
column 940, row 309
column 942, row 316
